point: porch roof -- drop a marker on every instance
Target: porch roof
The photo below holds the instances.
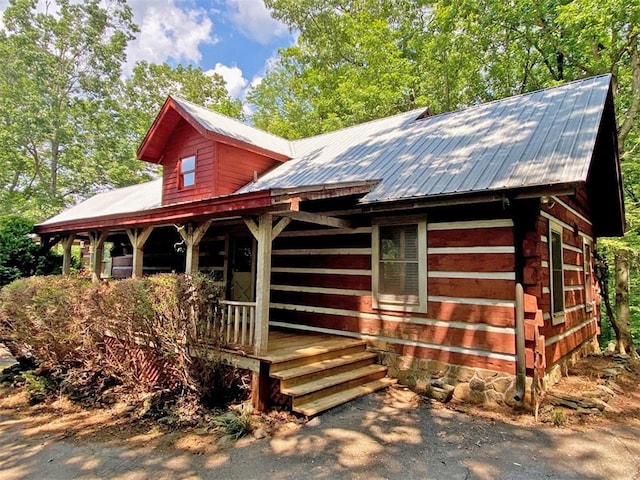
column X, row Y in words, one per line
column 140, row 205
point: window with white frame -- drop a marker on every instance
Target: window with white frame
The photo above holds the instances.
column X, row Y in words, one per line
column 556, row 272
column 399, row 264
column 588, row 274
column 188, row 171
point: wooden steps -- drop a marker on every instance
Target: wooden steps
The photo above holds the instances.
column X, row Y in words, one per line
column 322, row 375
column 325, row 403
column 311, row 371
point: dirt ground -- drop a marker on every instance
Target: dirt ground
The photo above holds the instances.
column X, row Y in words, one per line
column 394, row 434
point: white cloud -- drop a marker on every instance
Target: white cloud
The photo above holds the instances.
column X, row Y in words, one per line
column 255, row 81
column 236, row 83
column 169, row 31
column 253, row 19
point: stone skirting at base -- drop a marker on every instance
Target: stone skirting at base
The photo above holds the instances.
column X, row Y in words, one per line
column 475, row 385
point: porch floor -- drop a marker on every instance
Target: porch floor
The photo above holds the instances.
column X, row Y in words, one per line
column 287, row 345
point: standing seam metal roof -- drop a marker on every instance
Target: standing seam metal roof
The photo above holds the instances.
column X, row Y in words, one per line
column 540, row 138
column 232, row 128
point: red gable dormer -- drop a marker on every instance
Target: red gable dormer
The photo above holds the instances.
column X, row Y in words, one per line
column 205, row 154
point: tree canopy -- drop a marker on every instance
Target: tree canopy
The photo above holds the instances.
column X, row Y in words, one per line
column 356, row 60
column 69, row 121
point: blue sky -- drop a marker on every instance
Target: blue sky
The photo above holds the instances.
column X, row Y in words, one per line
column 235, row 38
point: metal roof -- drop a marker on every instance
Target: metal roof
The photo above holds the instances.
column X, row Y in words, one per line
column 545, row 137
column 235, row 129
column 131, row 199
column 541, row 138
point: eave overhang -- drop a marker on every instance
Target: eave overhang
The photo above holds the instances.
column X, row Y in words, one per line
column 242, row 204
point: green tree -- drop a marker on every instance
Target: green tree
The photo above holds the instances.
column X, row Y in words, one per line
column 149, row 85
column 20, row 256
column 59, row 67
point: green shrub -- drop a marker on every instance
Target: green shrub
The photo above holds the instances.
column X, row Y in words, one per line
column 38, row 387
column 45, row 318
column 150, row 323
column 234, row 425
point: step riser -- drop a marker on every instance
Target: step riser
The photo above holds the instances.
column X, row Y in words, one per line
column 290, row 382
column 338, row 388
column 326, row 403
column 275, row 367
column 312, row 368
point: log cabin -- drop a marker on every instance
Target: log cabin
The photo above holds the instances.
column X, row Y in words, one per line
column 438, row 250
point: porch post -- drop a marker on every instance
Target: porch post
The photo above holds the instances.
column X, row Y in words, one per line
column 263, row 283
column 192, row 237
column 138, row 237
column 97, row 240
column 265, row 233
column 67, row 243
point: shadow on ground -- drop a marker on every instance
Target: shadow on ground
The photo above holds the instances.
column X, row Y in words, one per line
column 387, row 435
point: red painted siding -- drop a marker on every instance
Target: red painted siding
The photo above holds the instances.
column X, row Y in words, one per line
column 183, row 142
column 236, row 167
column 220, row 169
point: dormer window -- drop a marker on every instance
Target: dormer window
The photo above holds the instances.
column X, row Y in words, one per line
column 188, row 171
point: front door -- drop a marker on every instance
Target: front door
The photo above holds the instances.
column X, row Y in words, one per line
column 242, row 269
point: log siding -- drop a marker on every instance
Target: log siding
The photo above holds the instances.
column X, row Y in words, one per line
column 321, row 282
column 580, row 321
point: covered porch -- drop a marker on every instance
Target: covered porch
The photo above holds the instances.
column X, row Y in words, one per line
column 231, row 240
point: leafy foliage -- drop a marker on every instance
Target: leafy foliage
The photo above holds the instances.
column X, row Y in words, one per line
column 151, row 323
column 20, row 256
column 58, row 69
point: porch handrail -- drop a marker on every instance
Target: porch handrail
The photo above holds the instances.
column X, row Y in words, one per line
column 238, row 322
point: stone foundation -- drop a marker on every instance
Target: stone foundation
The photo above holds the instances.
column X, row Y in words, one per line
column 475, row 385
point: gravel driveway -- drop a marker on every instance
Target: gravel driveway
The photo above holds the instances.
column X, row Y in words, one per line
column 376, row 437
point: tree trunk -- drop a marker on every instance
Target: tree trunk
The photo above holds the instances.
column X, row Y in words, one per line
column 622, row 320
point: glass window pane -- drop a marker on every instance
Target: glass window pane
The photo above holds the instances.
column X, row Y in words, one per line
column 411, row 286
column 556, row 250
column 188, row 164
column 558, row 292
column 390, row 243
column 399, row 278
column 188, row 179
column 557, row 281
column 391, row 275
column 411, row 242
column 399, row 242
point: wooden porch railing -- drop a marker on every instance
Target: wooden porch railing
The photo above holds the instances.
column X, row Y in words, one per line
column 228, row 323
column 238, row 321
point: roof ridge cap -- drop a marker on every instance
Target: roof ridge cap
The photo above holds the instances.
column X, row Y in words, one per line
column 355, row 125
